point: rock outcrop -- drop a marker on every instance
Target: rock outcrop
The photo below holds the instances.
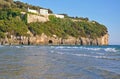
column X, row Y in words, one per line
column 54, row 40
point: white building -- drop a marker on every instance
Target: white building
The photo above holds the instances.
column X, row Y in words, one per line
column 59, row 16
column 43, row 11
column 33, row 11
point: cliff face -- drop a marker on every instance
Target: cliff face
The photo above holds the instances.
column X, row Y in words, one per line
column 54, row 40
column 62, row 27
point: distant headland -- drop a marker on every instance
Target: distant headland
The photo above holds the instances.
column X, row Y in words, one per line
column 21, row 23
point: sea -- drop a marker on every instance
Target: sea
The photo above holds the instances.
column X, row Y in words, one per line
column 60, row 62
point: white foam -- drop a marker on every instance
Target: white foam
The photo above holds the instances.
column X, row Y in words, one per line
column 110, row 50
column 60, row 53
column 18, row 46
column 100, row 53
column 88, row 48
column 95, row 49
column 98, row 49
column 99, row 56
column 85, row 55
column 59, row 47
column 75, row 47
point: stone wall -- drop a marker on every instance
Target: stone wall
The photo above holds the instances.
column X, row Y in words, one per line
column 36, row 18
column 40, row 18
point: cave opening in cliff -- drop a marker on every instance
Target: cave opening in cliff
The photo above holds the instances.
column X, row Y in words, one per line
column 50, row 41
column 81, row 42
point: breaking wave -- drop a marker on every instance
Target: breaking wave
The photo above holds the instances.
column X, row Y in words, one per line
column 103, row 52
column 87, row 48
column 111, row 50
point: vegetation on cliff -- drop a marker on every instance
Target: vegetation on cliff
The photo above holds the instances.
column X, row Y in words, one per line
column 12, row 22
column 17, row 5
column 67, row 27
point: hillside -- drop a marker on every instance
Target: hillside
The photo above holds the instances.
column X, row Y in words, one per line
column 14, row 28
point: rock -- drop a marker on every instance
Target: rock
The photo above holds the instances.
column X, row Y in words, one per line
column 54, row 40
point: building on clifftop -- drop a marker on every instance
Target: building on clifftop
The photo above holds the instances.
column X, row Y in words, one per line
column 32, row 11
column 44, row 12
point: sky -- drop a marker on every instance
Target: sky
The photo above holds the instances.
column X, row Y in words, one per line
column 106, row 12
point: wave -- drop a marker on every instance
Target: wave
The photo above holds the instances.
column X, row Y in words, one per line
column 79, row 48
column 91, row 56
column 87, row 48
column 85, row 55
column 102, row 49
column 98, row 57
column 110, row 50
column 24, row 46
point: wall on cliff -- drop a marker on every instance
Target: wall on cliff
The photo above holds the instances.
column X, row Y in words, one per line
column 36, row 18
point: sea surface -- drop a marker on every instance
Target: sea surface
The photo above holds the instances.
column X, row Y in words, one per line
column 60, row 62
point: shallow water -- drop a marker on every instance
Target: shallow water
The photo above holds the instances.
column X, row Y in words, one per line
column 59, row 62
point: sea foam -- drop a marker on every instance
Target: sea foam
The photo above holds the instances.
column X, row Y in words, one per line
column 110, row 50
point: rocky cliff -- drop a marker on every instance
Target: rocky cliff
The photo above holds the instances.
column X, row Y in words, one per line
column 40, row 30
column 54, row 40
column 18, row 26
